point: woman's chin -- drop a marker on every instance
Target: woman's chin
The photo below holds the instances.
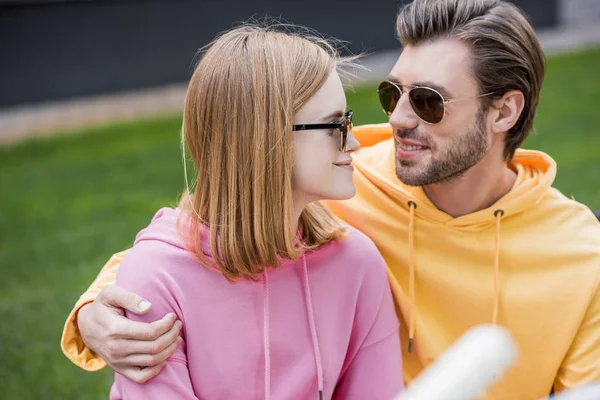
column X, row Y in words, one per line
column 342, row 193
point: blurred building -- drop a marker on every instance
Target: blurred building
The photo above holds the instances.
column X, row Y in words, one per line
column 86, row 53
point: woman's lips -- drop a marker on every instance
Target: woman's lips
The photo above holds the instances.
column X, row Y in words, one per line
column 346, row 165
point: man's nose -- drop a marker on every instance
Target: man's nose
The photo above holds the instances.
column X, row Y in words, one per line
column 403, row 116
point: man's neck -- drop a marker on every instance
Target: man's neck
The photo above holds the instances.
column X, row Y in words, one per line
column 480, row 187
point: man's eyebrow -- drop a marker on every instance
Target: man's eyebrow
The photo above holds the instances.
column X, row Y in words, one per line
column 443, row 91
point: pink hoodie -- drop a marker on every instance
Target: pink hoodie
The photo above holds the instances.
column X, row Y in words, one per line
column 321, row 325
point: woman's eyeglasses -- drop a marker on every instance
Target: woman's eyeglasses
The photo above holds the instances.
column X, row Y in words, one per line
column 345, row 126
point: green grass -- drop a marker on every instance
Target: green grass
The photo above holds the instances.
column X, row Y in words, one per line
column 69, row 202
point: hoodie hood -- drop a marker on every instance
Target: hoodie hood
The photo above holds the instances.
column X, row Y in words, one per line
column 169, row 226
column 164, row 228
column 535, row 170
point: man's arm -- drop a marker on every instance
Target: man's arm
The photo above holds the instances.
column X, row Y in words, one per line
column 71, row 342
column 582, row 363
column 97, row 333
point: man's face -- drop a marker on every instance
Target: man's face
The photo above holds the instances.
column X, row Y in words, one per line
column 425, row 153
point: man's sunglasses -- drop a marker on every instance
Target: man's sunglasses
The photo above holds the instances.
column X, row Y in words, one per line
column 427, row 103
column 345, row 126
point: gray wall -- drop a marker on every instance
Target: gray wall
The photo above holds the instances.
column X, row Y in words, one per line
column 52, row 50
column 573, row 12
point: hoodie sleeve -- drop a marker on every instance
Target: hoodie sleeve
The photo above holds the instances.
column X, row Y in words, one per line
column 582, row 362
column 145, row 270
column 71, row 343
column 373, row 365
column 172, row 382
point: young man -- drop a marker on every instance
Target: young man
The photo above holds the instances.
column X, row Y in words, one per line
column 470, row 227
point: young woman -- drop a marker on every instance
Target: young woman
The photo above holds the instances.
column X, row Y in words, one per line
column 277, row 299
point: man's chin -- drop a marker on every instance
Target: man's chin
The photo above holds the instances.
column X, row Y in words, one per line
column 408, row 182
column 409, row 175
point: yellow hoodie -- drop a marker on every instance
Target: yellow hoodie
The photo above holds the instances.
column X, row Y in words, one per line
column 530, row 263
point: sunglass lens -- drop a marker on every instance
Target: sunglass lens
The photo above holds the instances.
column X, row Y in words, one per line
column 427, row 104
column 346, row 128
column 388, row 97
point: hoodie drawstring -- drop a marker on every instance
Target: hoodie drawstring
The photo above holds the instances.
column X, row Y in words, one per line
column 498, row 214
column 313, row 328
column 266, row 336
column 411, row 260
column 313, row 331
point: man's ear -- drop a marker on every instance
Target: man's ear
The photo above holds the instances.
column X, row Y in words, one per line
column 508, row 109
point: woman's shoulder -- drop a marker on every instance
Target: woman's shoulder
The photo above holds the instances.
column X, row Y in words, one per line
column 354, row 268
column 158, row 252
column 357, row 244
column 355, row 250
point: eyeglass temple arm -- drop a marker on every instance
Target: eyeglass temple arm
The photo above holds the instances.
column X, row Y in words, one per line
column 467, row 98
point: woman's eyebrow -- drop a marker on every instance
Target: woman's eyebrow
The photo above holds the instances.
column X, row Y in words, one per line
column 334, row 116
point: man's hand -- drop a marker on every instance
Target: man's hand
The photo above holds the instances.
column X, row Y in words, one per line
column 134, row 349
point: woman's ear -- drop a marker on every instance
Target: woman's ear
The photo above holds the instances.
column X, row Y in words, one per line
column 508, row 110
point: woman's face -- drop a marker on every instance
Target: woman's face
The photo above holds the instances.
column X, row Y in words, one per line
column 321, row 170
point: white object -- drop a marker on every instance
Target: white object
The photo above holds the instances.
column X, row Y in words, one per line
column 467, row 368
column 588, row 392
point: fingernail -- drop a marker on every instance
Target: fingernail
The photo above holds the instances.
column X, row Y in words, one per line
column 144, row 305
column 179, row 324
column 179, row 340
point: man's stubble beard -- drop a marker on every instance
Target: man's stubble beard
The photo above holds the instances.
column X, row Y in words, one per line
column 463, row 153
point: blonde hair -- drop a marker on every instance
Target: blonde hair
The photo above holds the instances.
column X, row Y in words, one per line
column 237, row 125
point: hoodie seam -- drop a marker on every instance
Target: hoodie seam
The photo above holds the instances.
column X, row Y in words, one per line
column 593, row 295
column 595, row 290
column 178, row 359
column 392, row 333
column 372, row 322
